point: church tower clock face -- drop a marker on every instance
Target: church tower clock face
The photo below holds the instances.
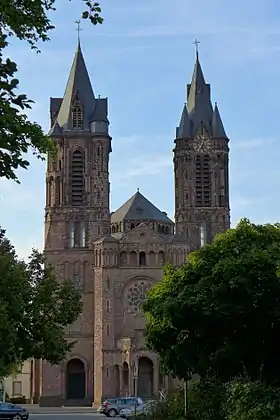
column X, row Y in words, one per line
column 202, row 143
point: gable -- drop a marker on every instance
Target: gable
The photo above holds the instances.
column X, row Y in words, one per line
column 142, row 234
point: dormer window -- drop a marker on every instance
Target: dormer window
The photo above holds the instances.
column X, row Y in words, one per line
column 77, row 115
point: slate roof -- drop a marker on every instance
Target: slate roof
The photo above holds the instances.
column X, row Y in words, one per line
column 139, row 207
column 218, row 130
column 78, row 87
column 199, row 110
column 78, row 84
column 199, row 102
column 184, row 129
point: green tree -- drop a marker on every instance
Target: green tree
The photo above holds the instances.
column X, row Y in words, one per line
column 220, row 312
column 247, row 400
column 27, row 20
column 35, row 308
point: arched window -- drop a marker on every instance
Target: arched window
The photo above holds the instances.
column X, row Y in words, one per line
column 125, row 374
column 132, row 258
column 71, row 234
column 76, row 234
column 57, row 191
column 161, row 258
column 203, row 233
column 123, row 258
column 77, row 115
column 142, row 258
column 77, row 178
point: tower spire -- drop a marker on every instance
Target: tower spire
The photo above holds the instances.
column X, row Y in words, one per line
column 199, row 103
column 78, row 88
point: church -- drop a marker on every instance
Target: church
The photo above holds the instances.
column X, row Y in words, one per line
column 115, row 257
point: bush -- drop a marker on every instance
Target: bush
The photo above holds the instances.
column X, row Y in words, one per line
column 206, row 400
column 18, row 400
column 170, row 409
column 252, row 401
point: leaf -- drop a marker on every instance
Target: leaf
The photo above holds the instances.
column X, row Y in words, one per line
column 220, row 311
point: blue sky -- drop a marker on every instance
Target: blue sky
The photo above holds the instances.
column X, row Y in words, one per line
column 142, row 57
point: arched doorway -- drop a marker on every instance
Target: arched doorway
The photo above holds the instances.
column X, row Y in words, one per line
column 145, row 378
column 125, row 372
column 75, row 380
column 117, row 381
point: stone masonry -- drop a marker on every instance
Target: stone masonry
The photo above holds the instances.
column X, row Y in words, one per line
column 114, row 258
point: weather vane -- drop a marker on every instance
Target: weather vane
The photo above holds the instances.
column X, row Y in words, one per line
column 196, row 43
column 78, row 22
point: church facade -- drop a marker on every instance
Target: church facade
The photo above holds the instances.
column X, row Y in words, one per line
column 115, row 257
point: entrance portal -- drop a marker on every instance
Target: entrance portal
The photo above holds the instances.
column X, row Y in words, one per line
column 75, row 380
column 145, row 378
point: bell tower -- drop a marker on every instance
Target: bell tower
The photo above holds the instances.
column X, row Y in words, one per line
column 77, row 179
column 77, row 209
column 201, row 166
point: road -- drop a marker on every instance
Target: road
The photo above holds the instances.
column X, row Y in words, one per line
column 63, row 413
column 66, row 416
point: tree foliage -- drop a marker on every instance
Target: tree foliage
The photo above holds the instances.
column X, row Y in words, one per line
column 35, row 308
column 247, row 400
column 27, row 20
column 220, row 312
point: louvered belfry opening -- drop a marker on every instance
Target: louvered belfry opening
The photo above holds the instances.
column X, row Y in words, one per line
column 77, row 114
column 203, row 181
column 77, row 178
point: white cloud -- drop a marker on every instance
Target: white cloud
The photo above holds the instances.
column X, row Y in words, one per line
column 142, row 166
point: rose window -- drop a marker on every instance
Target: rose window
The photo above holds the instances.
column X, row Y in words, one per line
column 136, row 295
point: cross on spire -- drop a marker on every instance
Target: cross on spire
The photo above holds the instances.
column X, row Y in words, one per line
column 196, row 43
column 78, row 22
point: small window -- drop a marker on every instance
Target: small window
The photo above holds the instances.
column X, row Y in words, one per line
column 142, row 258
column 203, row 233
column 107, row 306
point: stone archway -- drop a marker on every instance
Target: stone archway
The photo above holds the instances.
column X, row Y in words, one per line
column 75, row 380
column 145, row 377
column 116, row 381
column 125, row 379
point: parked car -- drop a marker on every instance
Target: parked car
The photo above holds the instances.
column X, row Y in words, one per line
column 12, row 411
column 113, row 406
column 130, row 413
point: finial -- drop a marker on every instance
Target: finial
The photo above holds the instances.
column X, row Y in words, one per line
column 216, row 104
column 98, row 96
column 196, row 43
column 78, row 22
column 137, row 189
